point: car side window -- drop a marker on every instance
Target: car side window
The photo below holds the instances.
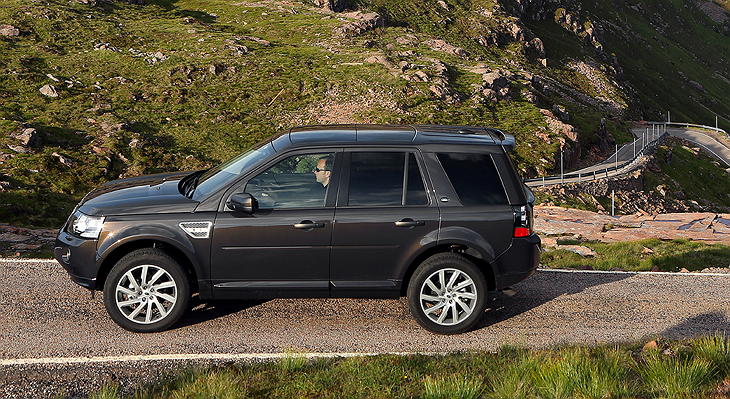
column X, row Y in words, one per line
column 416, row 192
column 378, row 178
column 299, row 181
column 474, row 177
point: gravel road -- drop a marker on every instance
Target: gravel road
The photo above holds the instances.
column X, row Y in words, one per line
column 43, row 314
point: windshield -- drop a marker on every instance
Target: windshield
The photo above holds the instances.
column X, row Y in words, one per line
column 221, row 175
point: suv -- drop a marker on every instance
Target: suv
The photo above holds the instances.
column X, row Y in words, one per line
column 434, row 213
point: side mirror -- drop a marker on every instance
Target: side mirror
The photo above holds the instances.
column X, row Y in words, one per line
column 243, row 202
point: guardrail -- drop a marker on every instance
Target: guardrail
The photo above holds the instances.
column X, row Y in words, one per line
column 688, row 125
column 613, row 168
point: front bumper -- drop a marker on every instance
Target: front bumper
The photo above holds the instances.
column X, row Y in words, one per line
column 78, row 257
column 517, row 263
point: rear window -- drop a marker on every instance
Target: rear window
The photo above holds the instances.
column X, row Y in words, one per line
column 474, row 177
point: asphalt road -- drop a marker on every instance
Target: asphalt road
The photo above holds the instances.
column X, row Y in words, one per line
column 43, row 314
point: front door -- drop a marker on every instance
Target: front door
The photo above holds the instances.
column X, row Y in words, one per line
column 283, row 248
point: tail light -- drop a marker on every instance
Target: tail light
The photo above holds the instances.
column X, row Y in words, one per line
column 523, row 221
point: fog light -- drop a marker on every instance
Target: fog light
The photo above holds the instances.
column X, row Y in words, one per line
column 66, row 255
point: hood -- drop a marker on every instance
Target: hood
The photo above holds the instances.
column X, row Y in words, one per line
column 156, row 193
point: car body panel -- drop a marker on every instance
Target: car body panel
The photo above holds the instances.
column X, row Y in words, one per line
column 358, row 253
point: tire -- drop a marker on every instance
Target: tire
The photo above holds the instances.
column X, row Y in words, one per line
column 129, row 303
column 447, row 301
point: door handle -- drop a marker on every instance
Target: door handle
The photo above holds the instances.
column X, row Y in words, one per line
column 308, row 224
column 408, row 222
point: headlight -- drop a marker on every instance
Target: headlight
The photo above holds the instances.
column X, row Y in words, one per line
column 86, row 226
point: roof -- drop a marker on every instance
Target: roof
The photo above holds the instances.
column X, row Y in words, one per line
column 391, row 134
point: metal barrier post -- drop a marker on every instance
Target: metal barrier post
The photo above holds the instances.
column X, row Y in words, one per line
column 561, row 166
column 578, row 177
column 543, row 181
column 635, row 148
column 594, row 175
column 617, row 155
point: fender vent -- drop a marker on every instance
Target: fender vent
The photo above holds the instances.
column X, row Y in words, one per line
column 196, row 229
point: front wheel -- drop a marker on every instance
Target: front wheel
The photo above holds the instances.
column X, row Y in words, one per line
column 146, row 291
column 447, row 294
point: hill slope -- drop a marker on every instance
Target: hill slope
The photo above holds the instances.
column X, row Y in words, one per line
column 148, row 86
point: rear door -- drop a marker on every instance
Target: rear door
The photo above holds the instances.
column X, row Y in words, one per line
column 384, row 213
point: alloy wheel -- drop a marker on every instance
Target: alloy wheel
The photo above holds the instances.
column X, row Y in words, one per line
column 146, row 294
column 448, row 296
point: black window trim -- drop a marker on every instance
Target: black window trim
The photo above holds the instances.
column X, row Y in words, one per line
column 344, row 183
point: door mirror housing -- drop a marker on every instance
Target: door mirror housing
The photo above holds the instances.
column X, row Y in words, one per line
column 243, row 202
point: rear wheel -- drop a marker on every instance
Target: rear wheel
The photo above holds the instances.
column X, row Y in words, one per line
column 146, row 291
column 447, row 294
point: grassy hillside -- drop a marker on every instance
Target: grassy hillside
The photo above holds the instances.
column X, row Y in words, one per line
column 157, row 85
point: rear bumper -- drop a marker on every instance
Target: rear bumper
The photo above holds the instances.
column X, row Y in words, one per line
column 517, row 263
column 78, row 257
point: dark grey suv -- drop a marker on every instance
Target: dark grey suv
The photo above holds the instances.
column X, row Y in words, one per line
column 434, row 213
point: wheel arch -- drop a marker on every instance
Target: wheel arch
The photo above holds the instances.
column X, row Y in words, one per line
column 470, row 252
column 115, row 254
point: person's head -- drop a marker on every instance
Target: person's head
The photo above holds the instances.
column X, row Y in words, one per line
column 323, row 170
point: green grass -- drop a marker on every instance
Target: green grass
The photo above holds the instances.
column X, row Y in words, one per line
column 679, row 369
column 697, row 176
column 668, row 255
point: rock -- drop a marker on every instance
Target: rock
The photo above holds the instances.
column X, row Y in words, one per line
column 647, row 251
column 25, row 247
column 557, row 126
column 64, row 161
column 364, row 22
column 105, row 46
column 332, row 5
column 380, row 59
column 28, row 138
column 443, row 5
column 650, row 346
column 215, row 69
column 561, row 112
column 48, row 91
column 536, row 47
column 9, row 30
column 255, row 39
column 579, row 249
column 655, row 268
column 18, row 148
column 683, row 270
column 441, row 45
column 11, row 237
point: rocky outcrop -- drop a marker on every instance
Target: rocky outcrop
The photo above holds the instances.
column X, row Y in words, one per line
column 581, row 27
column 587, row 225
column 363, row 22
column 442, row 46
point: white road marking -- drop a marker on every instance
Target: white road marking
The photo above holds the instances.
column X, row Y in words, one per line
column 23, row 260
column 200, row 356
column 625, row 272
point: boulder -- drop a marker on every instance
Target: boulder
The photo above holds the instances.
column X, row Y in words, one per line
column 443, row 46
column 48, row 91
column 363, row 22
column 579, row 249
column 28, row 138
column 9, row 30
